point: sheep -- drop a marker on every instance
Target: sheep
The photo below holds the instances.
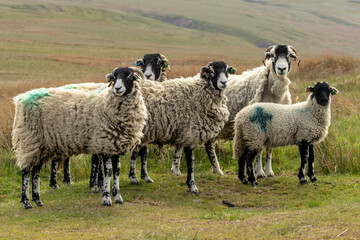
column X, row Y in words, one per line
column 275, row 125
column 268, row 83
column 183, row 112
column 57, row 122
column 154, row 67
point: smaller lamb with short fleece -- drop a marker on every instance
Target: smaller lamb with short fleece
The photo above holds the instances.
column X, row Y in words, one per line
column 275, row 125
column 58, row 122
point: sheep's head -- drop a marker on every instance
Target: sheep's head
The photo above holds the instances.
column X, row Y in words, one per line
column 123, row 79
column 216, row 74
column 152, row 65
column 321, row 91
column 281, row 57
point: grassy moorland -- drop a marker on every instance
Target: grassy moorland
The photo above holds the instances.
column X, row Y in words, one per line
column 48, row 43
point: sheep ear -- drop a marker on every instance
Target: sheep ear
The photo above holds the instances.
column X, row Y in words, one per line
column 205, row 72
column 231, row 70
column 110, row 77
column 334, row 91
column 267, row 52
column 139, row 62
column 136, row 77
column 309, row 89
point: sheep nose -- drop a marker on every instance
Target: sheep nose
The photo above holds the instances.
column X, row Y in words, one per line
column 148, row 76
column 282, row 69
column 223, row 83
column 323, row 101
column 117, row 89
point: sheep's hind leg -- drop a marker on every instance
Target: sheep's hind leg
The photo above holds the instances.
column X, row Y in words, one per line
column 143, row 153
column 94, row 174
column 258, row 167
column 25, row 188
column 268, row 165
column 304, row 153
column 115, row 160
column 241, row 163
column 67, row 177
column 311, row 164
column 190, row 160
column 53, row 177
column 107, row 172
column 210, row 150
column 250, row 167
column 35, row 173
column 132, row 173
column 175, row 168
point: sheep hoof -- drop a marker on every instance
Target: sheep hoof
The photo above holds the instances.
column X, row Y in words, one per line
column 148, row 179
column 270, row 175
column 134, row 180
column 39, row 203
column 193, row 189
column 27, row 205
column 95, row 189
column 68, row 182
column 118, row 199
column 176, row 171
column 313, row 179
column 218, row 171
column 303, row 181
column 255, row 184
column 260, row 174
column 107, row 202
column 54, row 186
column 244, row 181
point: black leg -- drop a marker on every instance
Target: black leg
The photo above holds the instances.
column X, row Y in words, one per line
column 25, row 188
column 53, row 176
column 35, row 172
column 132, row 173
column 210, row 150
column 190, row 160
column 250, row 167
column 67, row 177
column 311, row 173
column 115, row 160
column 241, row 163
column 100, row 174
column 304, row 153
column 143, row 153
column 107, row 177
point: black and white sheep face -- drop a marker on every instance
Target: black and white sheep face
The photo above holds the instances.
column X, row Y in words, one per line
column 321, row 91
column 281, row 57
column 152, row 65
column 123, row 79
column 216, row 74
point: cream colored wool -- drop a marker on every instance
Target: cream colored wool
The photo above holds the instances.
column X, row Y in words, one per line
column 290, row 125
column 62, row 122
column 258, row 85
column 183, row 111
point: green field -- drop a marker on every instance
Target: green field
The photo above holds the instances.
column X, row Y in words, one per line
column 47, row 43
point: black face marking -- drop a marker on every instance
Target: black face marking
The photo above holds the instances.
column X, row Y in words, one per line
column 127, row 76
column 154, row 60
column 321, row 92
column 212, row 72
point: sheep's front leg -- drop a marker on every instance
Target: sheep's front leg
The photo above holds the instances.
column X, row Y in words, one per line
column 25, row 188
column 210, row 150
column 107, row 172
column 258, row 167
column 132, row 173
column 115, row 160
column 268, row 165
column 35, row 174
column 143, row 153
column 311, row 164
column 250, row 167
column 190, row 160
column 53, row 176
column 175, row 168
column 304, row 153
column 96, row 171
column 67, row 177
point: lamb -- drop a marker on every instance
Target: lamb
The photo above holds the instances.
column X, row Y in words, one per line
column 268, row 83
column 183, row 112
column 154, row 67
column 275, row 125
column 57, row 122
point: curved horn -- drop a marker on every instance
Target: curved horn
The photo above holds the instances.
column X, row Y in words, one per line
column 294, row 54
column 138, row 72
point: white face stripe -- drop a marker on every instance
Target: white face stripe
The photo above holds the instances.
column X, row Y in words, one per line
column 222, row 81
column 148, row 73
column 119, row 87
column 281, row 66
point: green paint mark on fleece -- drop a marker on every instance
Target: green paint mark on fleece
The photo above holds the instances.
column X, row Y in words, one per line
column 31, row 98
column 69, row 87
